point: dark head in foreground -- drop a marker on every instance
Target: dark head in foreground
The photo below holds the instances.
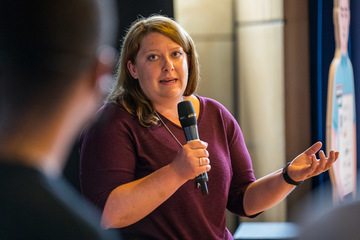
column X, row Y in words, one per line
column 49, row 52
column 54, row 57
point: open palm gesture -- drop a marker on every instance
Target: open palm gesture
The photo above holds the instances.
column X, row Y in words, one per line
column 306, row 165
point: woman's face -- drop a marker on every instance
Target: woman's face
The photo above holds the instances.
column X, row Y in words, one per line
column 161, row 67
column 344, row 22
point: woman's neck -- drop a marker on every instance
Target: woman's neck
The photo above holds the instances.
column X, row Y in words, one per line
column 170, row 111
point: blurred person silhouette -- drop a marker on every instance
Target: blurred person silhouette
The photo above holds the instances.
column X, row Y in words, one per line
column 54, row 58
column 341, row 109
column 139, row 169
column 319, row 218
column 341, row 221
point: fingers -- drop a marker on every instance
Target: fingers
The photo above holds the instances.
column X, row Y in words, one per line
column 325, row 163
column 204, row 161
column 313, row 149
column 196, row 144
column 321, row 163
column 201, row 165
column 207, row 168
column 313, row 165
column 306, row 165
column 336, row 156
column 198, row 151
column 192, row 160
column 204, row 164
column 332, row 158
column 201, row 161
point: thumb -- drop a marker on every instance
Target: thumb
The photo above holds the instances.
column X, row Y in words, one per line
column 313, row 149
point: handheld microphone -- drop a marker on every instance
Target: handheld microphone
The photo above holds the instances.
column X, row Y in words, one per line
column 187, row 117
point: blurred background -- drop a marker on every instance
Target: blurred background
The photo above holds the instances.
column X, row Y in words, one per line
column 267, row 62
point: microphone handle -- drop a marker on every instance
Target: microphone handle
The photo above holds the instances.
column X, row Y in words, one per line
column 191, row 133
column 201, row 183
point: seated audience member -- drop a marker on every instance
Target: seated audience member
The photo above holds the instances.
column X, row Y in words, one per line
column 54, row 57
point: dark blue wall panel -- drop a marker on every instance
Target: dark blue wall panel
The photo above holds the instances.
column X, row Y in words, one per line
column 322, row 47
column 355, row 59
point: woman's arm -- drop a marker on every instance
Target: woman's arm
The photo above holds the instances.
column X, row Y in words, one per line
column 268, row 191
column 133, row 201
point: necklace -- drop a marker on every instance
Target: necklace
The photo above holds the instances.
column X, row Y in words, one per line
column 177, row 140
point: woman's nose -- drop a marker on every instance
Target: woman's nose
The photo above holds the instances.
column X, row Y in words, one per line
column 168, row 65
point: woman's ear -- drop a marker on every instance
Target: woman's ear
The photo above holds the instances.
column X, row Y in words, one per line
column 132, row 69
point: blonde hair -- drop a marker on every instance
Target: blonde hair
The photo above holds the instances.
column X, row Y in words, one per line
column 127, row 92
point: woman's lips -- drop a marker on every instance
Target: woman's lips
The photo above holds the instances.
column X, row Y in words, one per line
column 168, row 80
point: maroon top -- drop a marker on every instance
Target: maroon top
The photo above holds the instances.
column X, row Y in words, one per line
column 117, row 149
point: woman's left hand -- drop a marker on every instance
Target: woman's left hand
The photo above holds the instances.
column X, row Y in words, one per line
column 306, row 165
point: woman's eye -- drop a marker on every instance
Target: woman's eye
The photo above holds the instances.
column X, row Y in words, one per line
column 177, row 54
column 152, row 57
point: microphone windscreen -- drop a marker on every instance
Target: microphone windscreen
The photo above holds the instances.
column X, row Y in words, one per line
column 187, row 115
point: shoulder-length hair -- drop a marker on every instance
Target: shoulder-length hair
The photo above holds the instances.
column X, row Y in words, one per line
column 126, row 91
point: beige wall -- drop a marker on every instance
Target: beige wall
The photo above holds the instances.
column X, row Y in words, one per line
column 297, row 94
column 243, row 44
column 209, row 22
column 260, row 34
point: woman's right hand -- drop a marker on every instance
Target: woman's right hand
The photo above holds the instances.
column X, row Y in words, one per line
column 187, row 163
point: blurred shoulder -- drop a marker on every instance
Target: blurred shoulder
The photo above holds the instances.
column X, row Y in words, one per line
column 111, row 113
